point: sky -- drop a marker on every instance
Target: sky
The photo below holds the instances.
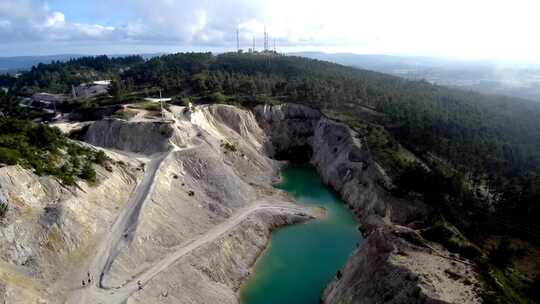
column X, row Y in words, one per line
column 460, row 29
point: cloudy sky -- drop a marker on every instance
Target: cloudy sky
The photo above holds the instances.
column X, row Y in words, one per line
column 490, row 29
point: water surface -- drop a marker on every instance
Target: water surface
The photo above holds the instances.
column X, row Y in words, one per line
column 302, row 259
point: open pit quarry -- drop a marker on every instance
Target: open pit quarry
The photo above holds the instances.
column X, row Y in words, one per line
column 186, row 206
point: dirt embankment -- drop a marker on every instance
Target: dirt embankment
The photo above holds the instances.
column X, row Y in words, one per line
column 138, row 137
column 184, row 210
column 189, row 240
column 389, row 266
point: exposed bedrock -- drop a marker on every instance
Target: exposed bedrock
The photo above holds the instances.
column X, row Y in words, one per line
column 388, row 267
column 217, row 176
column 50, row 228
column 137, row 137
column 214, row 186
column 340, row 157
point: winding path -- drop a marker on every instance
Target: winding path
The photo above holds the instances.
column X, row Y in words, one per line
column 122, row 233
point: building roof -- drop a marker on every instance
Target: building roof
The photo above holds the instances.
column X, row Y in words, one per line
column 158, row 99
column 102, row 82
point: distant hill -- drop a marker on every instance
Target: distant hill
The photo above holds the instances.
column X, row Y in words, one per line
column 378, row 62
column 24, row 63
column 489, row 77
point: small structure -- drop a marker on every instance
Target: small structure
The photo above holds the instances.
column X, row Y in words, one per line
column 158, row 99
column 45, row 101
column 92, row 89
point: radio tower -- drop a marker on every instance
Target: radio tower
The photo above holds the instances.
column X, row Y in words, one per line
column 265, row 39
column 237, row 40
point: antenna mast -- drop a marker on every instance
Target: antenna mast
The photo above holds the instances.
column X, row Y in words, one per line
column 238, row 40
column 265, row 39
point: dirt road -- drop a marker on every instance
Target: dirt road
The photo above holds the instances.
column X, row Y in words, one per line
column 111, row 295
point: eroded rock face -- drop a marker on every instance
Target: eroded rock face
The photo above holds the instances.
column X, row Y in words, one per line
column 138, row 137
column 217, row 164
column 210, row 168
column 49, row 228
column 290, row 129
column 386, row 268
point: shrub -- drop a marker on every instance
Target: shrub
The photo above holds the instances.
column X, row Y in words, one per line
column 166, row 129
column 88, row 173
column 9, row 157
column 147, row 105
column 447, row 235
column 124, row 114
column 100, row 158
column 217, row 98
column 3, row 209
column 229, row 147
column 503, row 254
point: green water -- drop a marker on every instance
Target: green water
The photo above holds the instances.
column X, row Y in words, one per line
column 302, row 259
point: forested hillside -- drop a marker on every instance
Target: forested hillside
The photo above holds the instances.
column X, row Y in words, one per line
column 479, row 155
column 59, row 77
column 475, row 132
column 41, row 148
column 484, row 135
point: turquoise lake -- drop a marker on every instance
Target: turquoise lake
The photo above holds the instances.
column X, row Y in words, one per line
column 302, row 259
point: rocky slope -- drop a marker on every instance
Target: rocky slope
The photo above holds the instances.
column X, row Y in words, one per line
column 389, row 266
column 49, row 227
column 187, row 205
column 191, row 175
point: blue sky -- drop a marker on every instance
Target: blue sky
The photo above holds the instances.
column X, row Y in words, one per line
column 474, row 29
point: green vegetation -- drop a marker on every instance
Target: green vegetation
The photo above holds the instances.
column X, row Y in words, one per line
column 43, row 149
column 506, row 286
column 124, row 114
column 475, row 141
column 473, row 159
column 503, row 254
column 59, row 77
column 9, row 105
column 444, row 233
column 147, row 105
column 3, row 209
column 228, row 147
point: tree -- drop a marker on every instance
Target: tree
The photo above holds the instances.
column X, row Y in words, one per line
column 88, row 173
column 117, row 90
column 3, row 209
column 503, row 254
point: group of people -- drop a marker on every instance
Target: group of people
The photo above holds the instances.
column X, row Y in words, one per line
column 89, row 280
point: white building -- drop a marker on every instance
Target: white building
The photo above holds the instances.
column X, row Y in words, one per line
column 158, row 99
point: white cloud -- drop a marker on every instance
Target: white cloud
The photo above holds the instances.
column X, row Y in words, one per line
column 56, row 19
column 457, row 28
